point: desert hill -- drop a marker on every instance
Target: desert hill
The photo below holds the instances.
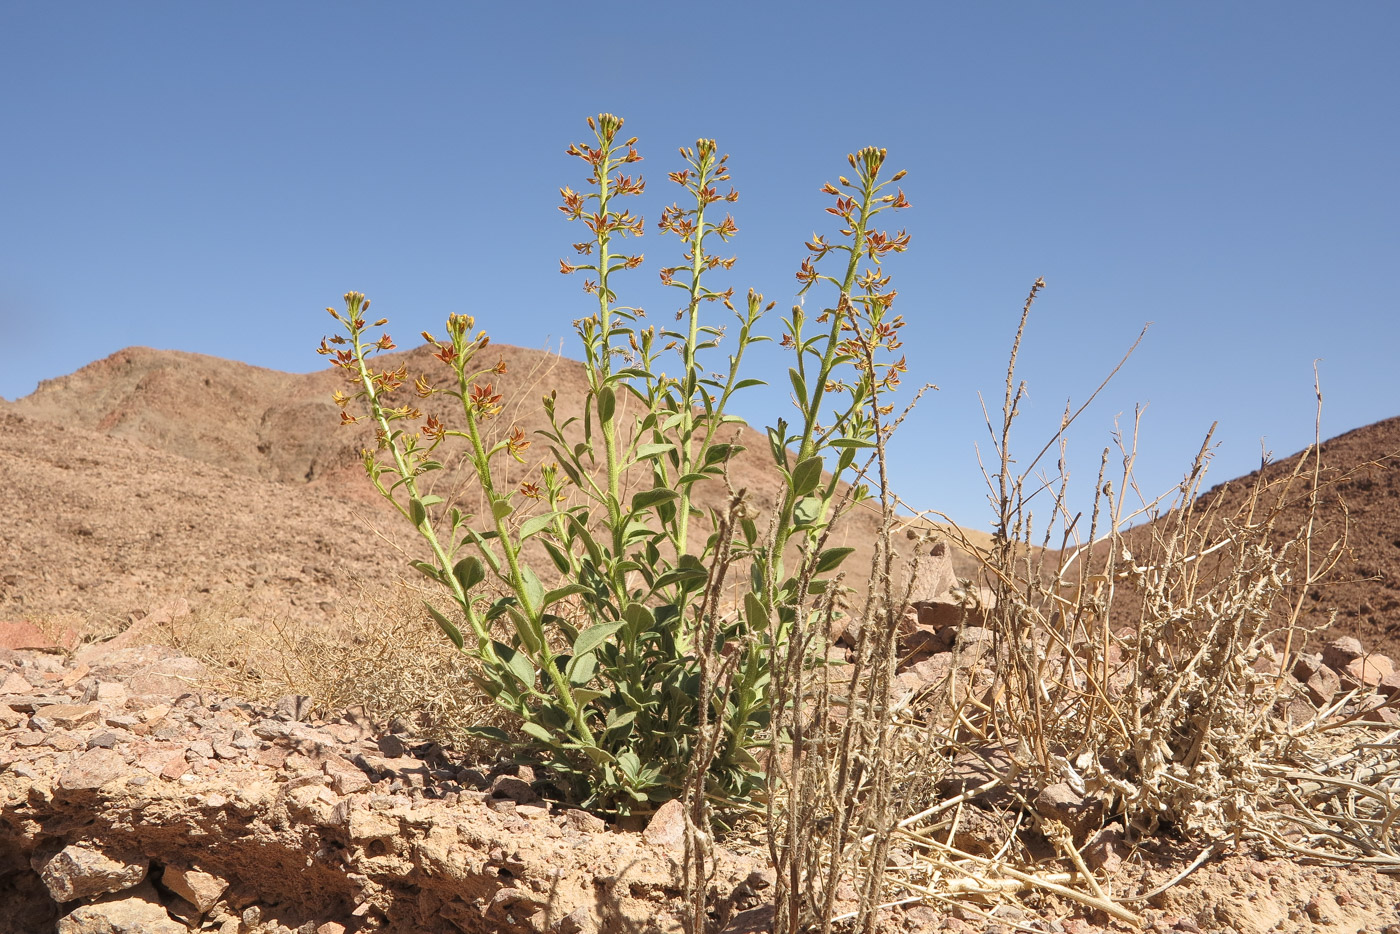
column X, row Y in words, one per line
column 151, row 475
column 1359, row 500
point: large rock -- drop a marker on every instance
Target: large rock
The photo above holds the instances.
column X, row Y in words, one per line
column 79, row 871
column 201, row 889
column 136, row 912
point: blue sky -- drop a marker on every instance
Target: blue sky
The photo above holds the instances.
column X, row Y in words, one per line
column 208, row 178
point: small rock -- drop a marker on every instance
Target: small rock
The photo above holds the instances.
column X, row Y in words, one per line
column 108, row 693
column 79, row 871
column 72, row 716
column 104, row 740
column 76, row 675
column 667, row 826
column 1369, row 670
column 1082, row 815
column 14, row 683
column 331, row 927
column 1323, row 685
column 175, row 768
column 509, row 786
column 199, row 749
column 295, row 707
column 92, row 770
column 152, row 714
column 1106, row 849
column 584, row 822
column 345, row 778
column 1339, row 653
column 200, row 889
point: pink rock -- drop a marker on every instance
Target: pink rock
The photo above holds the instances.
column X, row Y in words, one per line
column 667, row 826
column 1369, row 670
column 1338, row 653
column 92, row 770
column 1323, row 684
column 22, row 634
column 14, row 683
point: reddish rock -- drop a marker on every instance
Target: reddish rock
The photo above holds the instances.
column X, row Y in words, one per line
column 1323, row 684
column 1339, row 653
column 25, row 635
column 584, row 822
column 1368, row 670
column 345, row 778
column 667, row 826
column 14, row 683
column 79, row 871
column 92, row 770
column 200, row 889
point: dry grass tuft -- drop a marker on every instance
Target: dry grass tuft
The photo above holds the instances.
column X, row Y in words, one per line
column 386, row 657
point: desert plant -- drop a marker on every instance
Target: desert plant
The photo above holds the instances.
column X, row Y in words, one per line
column 602, row 668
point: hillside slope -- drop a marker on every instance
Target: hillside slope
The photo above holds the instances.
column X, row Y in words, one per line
column 155, row 474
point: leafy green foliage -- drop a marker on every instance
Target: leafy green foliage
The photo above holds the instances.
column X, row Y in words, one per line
column 608, row 670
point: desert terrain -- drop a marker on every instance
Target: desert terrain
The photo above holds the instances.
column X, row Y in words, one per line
column 168, row 517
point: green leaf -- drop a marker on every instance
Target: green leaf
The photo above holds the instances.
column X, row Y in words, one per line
column 431, row 500
column 831, row 558
column 516, row 663
column 500, row 508
column 777, row 443
column 559, row 593
column 536, row 524
column 852, row 443
column 556, row 554
column 719, row 453
column 538, row 732
column 755, row 613
column 681, row 576
column 469, row 572
column 746, row 383
column 580, row 671
column 583, row 696
column 646, row 451
column 593, row 636
column 807, row 510
column 445, row 624
column 607, row 404
column 534, row 591
column 417, row 514
column 616, row 719
column 489, row 732
column 648, row 498
column 629, row 764
column 430, row 571
column 639, row 617
column 806, row 475
column 799, row 388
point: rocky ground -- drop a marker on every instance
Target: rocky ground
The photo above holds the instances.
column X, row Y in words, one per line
column 139, row 793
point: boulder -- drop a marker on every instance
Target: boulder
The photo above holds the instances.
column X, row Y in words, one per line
column 79, row 871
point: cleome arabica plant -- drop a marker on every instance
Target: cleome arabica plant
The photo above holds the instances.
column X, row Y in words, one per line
column 602, row 655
